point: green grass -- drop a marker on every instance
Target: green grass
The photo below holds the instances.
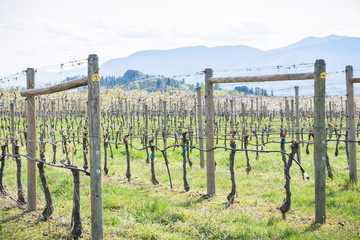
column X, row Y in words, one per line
column 140, row 210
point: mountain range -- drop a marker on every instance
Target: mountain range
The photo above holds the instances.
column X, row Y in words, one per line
column 188, row 63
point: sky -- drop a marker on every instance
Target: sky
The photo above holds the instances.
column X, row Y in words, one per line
column 40, row 33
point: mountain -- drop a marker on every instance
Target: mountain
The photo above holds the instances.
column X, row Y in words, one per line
column 187, row 63
column 337, row 51
column 180, row 60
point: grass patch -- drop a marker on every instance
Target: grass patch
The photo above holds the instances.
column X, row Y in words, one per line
column 140, row 210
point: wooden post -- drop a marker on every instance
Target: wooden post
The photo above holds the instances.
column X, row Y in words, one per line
column 297, row 121
column 351, row 124
column 53, row 109
column 195, row 116
column 201, row 129
column 319, row 141
column 160, row 112
column 126, row 114
column 146, row 120
column 292, row 118
column 257, row 107
column 164, row 126
column 175, row 117
column 252, row 112
column 209, row 116
column 243, row 114
column 12, row 133
column 232, row 116
column 287, row 110
column 95, row 147
column 133, row 120
column 31, row 141
column 261, row 109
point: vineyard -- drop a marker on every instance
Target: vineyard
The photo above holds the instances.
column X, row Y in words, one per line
column 154, row 172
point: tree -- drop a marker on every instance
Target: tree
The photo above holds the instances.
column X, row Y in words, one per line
column 158, row 84
column 245, row 90
column 168, row 82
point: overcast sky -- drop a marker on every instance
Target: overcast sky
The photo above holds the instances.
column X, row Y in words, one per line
column 44, row 32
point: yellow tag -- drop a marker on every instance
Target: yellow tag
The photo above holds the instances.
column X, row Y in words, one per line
column 323, row 75
column 96, row 78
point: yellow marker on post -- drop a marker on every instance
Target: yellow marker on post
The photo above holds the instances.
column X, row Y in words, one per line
column 96, row 78
column 323, row 75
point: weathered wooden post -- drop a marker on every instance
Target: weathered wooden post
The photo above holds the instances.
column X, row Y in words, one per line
column 201, row 129
column 232, row 116
column 209, row 116
column 146, row 132
column 175, row 117
column 292, row 118
column 287, row 111
column 330, row 111
column 95, row 147
column 133, row 120
column 261, row 108
column 252, row 112
column 195, row 116
column 12, row 133
column 297, row 121
column 31, row 141
column 243, row 114
column 351, row 124
column 164, row 127
column 319, row 141
column 257, row 107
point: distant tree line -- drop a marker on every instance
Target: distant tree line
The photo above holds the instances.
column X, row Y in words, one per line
column 134, row 79
column 250, row 91
column 216, row 86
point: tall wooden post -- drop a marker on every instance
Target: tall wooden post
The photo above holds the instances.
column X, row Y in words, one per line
column 297, row 121
column 175, row 117
column 330, row 111
column 319, row 141
column 232, row 116
column 292, row 118
column 261, row 108
column 164, row 127
column 146, row 120
column 351, row 124
column 252, row 112
column 257, row 107
column 243, row 115
column 12, row 133
column 287, row 112
column 201, row 129
column 195, row 116
column 31, row 142
column 95, row 147
column 209, row 116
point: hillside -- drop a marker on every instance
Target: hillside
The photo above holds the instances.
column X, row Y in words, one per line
column 133, row 79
